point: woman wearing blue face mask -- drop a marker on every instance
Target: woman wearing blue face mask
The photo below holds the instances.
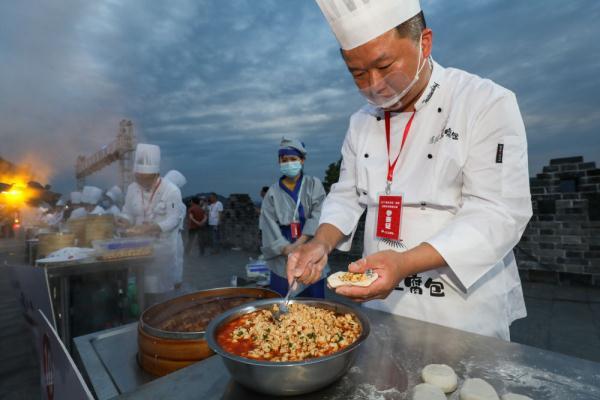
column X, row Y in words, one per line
column 290, row 216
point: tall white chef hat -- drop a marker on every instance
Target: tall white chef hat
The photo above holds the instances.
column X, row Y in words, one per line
column 355, row 22
column 176, row 178
column 75, row 197
column 115, row 194
column 91, row 195
column 147, row 159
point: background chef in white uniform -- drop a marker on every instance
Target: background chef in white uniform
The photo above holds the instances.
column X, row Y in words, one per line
column 178, row 180
column 77, row 209
column 91, row 197
column 462, row 171
column 114, row 198
column 152, row 206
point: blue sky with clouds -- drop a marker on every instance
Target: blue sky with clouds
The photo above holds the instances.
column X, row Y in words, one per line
column 217, row 83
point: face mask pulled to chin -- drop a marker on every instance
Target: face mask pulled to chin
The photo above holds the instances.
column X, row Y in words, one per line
column 393, row 87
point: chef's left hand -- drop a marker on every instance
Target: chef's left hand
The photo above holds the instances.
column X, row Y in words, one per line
column 387, row 264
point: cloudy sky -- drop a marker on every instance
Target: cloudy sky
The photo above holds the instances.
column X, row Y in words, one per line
column 217, row 83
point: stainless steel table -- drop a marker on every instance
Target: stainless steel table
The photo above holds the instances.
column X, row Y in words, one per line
column 387, row 367
column 59, row 275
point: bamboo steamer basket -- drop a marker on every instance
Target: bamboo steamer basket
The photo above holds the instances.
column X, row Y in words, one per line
column 98, row 227
column 77, row 228
column 50, row 242
column 161, row 351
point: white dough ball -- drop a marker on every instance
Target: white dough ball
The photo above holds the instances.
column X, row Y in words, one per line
column 477, row 389
column 441, row 376
column 514, row 396
column 427, row 391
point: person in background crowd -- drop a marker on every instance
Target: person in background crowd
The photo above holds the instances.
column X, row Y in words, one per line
column 197, row 219
column 215, row 211
column 263, row 193
column 290, row 216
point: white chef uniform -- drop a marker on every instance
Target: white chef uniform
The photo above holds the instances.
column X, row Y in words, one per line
column 78, row 210
column 160, row 205
column 178, row 180
column 115, row 194
column 464, row 175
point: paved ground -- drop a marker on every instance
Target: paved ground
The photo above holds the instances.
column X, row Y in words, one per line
column 561, row 319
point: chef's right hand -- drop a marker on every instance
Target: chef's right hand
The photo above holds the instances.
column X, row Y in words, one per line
column 307, row 262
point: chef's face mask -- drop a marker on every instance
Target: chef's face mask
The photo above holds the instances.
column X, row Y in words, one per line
column 390, row 89
column 291, row 169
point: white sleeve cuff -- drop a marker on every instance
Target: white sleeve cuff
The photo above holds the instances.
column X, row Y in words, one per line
column 459, row 254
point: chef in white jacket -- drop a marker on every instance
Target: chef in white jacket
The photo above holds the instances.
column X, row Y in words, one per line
column 114, row 197
column 152, row 206
column 178, row 180
column 91, row 197
column 450, row 149
column 78, row 210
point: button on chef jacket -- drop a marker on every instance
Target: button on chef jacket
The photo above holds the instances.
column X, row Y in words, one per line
column 464, row 176
column 162, row 209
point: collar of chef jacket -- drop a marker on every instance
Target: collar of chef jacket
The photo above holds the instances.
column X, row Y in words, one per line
column 433, row 90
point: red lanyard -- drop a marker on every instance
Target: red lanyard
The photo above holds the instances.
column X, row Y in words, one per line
column 156, row 185
column 392, row 165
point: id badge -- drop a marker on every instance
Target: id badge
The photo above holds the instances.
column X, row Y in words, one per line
column 295, row 229
column 389, row 217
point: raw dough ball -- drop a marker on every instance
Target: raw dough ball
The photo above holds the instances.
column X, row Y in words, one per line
column 513, row 396
column 441, row 376
column 427, row 391
column 477, row 389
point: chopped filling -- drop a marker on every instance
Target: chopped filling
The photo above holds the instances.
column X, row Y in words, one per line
column 304, row 332
column 353, row 277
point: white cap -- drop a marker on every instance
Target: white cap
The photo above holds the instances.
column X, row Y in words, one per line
column 355, row 22
column 115, row 194
column 91, row 195
column 75, row 197
column 176, row 178
column 147, row 159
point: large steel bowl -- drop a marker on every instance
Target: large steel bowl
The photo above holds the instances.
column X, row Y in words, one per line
column 287, row 378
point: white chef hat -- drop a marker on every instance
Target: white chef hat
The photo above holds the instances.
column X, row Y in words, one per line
column 355, row 22
column 91, row 195
column 75, row 197
column 176, row 178
column 115, row 194
column 147, row 159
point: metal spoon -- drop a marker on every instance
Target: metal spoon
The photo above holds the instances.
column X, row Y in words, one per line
column 283, row 307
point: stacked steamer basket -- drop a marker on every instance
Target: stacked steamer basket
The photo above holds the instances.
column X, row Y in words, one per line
column 50, row 242
column 77, row 228
column 171, row 335
column 98, row 227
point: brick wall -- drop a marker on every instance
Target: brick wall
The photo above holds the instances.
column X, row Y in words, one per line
column 562, row 241
column 239, row 226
